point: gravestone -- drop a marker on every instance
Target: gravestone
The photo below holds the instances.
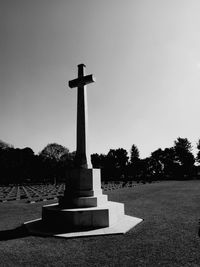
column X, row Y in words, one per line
column 83, row 210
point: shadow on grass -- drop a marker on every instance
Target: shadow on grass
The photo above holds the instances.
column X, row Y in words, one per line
column 38, row 228
column 18, row 232
column 49, row 229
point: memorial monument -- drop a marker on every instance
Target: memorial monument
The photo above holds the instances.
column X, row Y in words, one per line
column 83, row 210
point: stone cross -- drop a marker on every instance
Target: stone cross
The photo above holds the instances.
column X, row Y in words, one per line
column 83, row 210
column 82, row 159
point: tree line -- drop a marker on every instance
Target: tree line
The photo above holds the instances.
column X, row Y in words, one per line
column 177, row 162
column 54, row 162
column 18, row 166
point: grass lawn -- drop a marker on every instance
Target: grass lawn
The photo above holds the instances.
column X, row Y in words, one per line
column 167, row 237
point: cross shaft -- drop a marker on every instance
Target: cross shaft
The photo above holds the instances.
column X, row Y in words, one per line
column 82, row 159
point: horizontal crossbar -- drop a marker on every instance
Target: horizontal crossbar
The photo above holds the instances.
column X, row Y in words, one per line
column 80, row 82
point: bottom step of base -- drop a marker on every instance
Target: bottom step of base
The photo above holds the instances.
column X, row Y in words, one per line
column 36, row 227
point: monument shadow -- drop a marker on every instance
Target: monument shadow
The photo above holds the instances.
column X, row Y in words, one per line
column 18, row 232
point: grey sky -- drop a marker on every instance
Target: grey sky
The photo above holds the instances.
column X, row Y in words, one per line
column 144, row 54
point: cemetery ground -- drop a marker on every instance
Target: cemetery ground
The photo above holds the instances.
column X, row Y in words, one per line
column 168, row 236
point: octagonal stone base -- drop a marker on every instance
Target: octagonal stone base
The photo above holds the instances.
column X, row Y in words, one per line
column 93, row 217
column 83, row 210
column 122, row 226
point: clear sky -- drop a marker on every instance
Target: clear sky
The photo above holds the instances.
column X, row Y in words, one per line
column 145, row 55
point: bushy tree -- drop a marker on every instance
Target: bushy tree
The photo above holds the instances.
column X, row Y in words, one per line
column 147, row 169
column 182, row 148
column 133, row 164
column 118, row 157
column 4, row 145
column 170, row 165
column 56, row 160
column 54, row 151
column 113, row 165
column 98, row 161
column 184, row 156
column 157, row 160
column 134, row 154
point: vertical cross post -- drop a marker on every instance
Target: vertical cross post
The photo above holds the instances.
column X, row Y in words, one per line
column 82, row 159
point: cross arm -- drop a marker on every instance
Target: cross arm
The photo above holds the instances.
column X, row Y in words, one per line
column 79, row 82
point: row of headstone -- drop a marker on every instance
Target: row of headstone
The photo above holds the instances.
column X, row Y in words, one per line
column 117, row 185
column 31, row 193
column 35, row 193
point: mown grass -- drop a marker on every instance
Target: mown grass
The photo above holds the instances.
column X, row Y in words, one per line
column 168, row 236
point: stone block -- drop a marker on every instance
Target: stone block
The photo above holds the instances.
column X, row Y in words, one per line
column 102, row 216
column 83, row 202
column 83, row 182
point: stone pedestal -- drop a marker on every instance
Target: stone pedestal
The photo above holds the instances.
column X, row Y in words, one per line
column 83, row 183
column 83, row 204
column 83, row 210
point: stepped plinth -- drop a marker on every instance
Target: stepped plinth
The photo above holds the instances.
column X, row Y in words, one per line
column 83, row 204
column 83, row 210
